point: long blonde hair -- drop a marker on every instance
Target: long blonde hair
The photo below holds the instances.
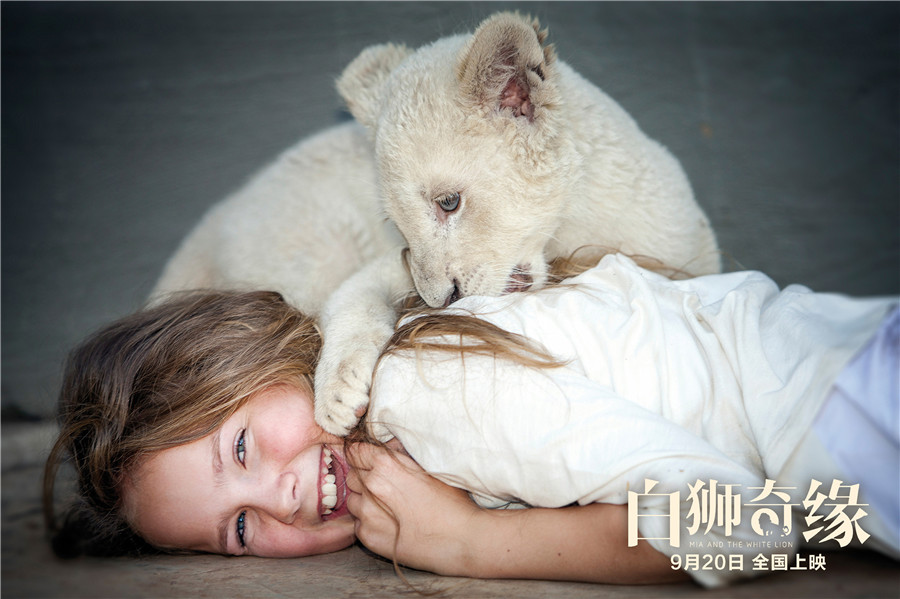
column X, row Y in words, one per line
column 157, row 379
column 173, row 374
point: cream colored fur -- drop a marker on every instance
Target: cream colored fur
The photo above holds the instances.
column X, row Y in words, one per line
column 530, row 160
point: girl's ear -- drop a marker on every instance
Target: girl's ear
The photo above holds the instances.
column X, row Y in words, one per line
column 362, row 82
column 507, row 66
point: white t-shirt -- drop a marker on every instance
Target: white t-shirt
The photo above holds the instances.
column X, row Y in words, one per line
column 713, row 378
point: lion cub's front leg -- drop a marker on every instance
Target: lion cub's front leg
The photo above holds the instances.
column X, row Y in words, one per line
column 357, row 321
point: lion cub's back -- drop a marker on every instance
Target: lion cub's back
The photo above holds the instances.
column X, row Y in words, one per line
column 300, row 226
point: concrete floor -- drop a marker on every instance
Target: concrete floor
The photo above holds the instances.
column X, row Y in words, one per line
column 123, row 122
column 30, row 570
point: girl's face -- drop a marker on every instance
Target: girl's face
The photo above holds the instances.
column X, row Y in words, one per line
column 270, row 482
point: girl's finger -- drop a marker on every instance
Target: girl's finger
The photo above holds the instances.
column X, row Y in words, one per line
column 360, row 455
column 354, row 504
column 395, row 445
column 353, row 481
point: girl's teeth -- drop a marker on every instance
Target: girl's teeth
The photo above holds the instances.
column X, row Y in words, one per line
column 329, row 488
column 326, row 459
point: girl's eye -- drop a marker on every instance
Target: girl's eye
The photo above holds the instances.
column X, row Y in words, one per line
column 449, row 202
column 239, row 447
column 240, row 527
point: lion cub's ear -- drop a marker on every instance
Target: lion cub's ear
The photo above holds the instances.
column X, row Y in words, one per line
column 362, row 82
column 507, row 65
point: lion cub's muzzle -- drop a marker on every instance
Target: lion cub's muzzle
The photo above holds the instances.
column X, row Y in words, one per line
column 454, row 294
column 519, row 280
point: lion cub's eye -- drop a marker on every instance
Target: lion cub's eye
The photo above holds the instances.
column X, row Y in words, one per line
column 448, row 202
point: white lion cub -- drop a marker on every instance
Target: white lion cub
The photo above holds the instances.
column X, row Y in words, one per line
column 490, row 156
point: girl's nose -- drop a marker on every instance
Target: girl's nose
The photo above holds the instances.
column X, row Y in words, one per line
column 280, row 498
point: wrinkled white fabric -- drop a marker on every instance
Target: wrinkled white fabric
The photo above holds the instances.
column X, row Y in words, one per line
column 713, row 378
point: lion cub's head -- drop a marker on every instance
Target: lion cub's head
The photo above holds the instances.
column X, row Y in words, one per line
column 472, row 157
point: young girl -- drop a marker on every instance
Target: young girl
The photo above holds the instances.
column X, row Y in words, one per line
column 191, row 427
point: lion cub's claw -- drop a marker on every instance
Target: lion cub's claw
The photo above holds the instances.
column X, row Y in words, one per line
column 342, row 387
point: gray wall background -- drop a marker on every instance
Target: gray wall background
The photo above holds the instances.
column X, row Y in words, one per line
column 123, row 122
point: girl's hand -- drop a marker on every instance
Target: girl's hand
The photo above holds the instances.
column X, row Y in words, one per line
column 403, row 512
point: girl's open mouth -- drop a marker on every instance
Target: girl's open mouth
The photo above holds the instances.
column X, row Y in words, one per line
column 332, row 484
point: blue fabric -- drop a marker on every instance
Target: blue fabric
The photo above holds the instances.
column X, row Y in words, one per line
column 859, row 424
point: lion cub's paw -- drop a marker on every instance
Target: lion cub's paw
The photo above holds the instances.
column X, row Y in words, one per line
column 343, row 378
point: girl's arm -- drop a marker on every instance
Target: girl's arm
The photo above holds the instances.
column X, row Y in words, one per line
column 402, row 511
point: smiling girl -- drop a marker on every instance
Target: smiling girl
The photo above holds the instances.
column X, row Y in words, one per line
column 267, row 482
column 191, row 425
